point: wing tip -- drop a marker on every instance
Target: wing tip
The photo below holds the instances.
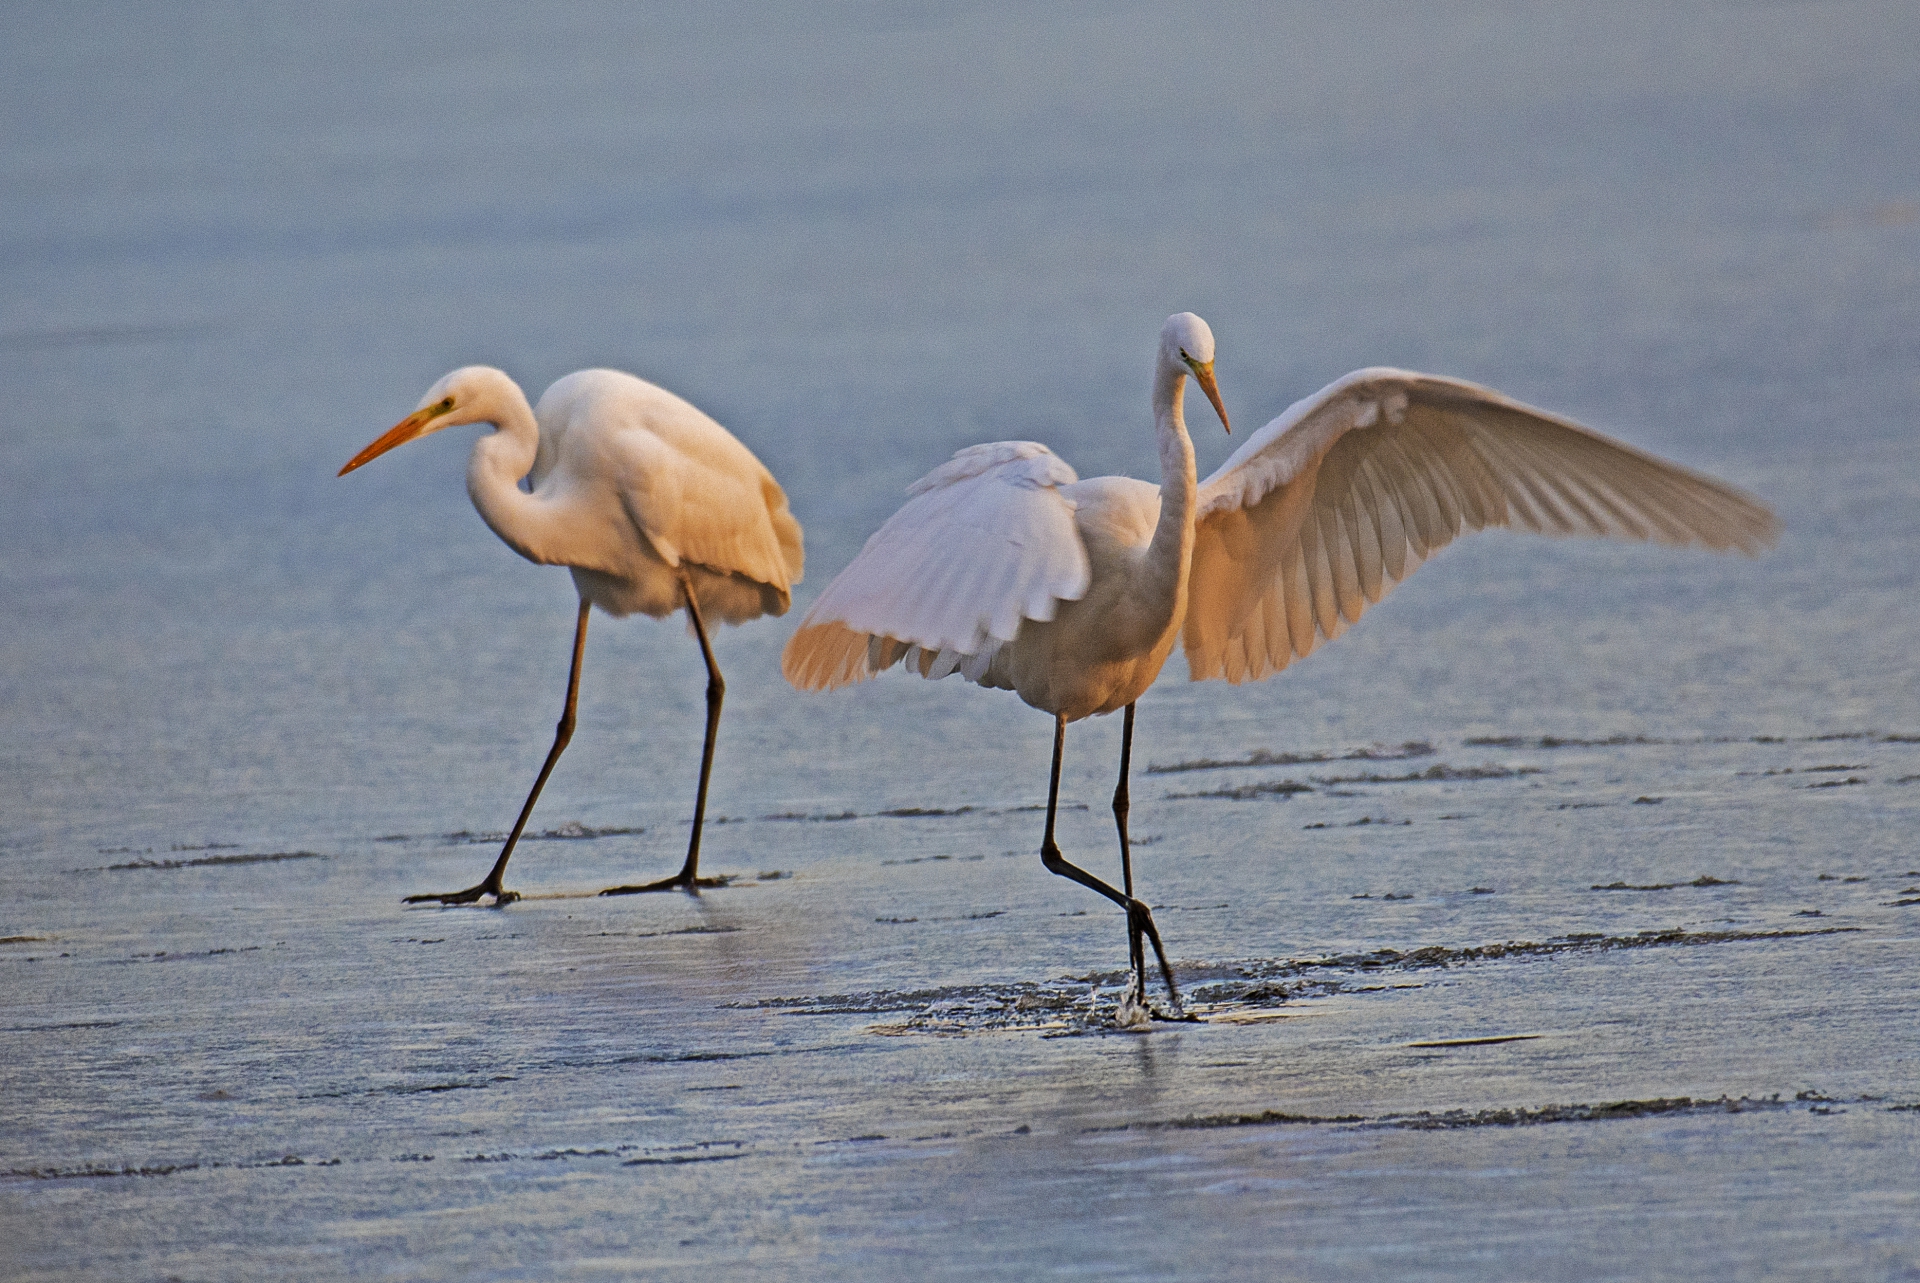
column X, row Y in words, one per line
column 1766, row 532
column 1748, row 526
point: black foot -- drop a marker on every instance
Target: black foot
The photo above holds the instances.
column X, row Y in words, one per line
column 468, row 896
column 680, row 882
column 1140, row 922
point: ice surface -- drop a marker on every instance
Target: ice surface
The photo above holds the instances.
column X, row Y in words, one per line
column 1626, row 988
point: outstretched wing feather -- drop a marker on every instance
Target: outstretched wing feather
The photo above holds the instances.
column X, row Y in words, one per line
column 1329, row 506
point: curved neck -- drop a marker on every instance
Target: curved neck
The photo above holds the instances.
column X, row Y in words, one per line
column 1166, row 562
column 499, row 460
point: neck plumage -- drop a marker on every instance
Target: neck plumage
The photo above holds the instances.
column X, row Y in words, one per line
column 1164, row 569
column 499, row 460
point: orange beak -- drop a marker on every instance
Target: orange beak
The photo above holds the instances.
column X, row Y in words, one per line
column 414, row 426
column 1203, row 375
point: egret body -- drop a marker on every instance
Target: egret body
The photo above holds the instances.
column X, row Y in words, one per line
column 652, row 505
column 1006, row 568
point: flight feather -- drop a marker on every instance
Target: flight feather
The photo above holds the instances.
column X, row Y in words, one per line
column 1324, row 510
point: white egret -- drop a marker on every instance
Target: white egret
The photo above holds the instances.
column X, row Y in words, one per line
column 1006, row 568
column 654, row 507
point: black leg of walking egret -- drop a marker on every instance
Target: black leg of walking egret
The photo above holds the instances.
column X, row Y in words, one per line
column 1139, row 917
column 562, row 733
column 1121, row 806
column 689, row 879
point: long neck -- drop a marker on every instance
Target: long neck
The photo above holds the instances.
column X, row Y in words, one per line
column 499, row 460
column 1164, row 570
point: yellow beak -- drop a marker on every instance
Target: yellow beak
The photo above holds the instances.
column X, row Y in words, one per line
column 408, row 429
column 1203, row 375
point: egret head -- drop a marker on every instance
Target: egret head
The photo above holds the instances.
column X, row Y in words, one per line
column 468, row 395
column 1186, row 346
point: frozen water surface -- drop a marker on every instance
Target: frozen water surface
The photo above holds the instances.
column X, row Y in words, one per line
column 1598, row 962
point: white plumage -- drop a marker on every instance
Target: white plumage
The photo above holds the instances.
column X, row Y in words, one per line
column 986, row 542
column 654, row 507
column 1343, row 496
column 1006, row 568
column 631, row 484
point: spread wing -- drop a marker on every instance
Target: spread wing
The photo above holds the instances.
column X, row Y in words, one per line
column 1333, row 503
column 986, row 540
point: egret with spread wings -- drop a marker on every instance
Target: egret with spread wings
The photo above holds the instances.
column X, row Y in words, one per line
column 1005, row 567
column 654, row 506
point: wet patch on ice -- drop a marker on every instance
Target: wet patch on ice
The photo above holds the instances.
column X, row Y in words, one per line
column 436, row 1088
column 1439, row 773
column 1266, row 757
column 1279, row 790
column 641, row 1156
column 548, row 1156
column 624, row 1059
column 1239, row 992
column 645, row 1156
column 176, row 847
column 570, row 831
column 702, row 1153
column 1477, row 1042
column 574, row 831
column 1336, row 785
column 207, row 861
column 1065, row 1006
column 1634, row 741
column 1702, row 881
column 703, row 929
column 1460, row 1119
column 163, row 955
column 908, row 813
column 963, row 917
column 95, row 1172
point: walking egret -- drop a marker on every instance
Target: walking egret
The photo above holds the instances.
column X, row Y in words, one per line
column 1006, row 568
column 654, row 507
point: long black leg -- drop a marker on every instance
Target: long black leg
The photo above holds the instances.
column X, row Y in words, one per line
column 689, row 879
column 1139, row 917
column 1121, row 805
column 562, row 733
